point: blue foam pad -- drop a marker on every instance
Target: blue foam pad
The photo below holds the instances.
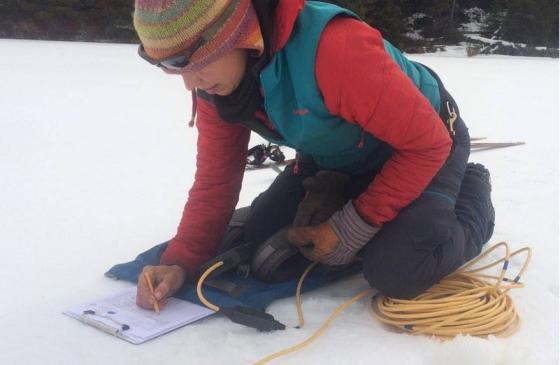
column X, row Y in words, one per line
column 255, row 294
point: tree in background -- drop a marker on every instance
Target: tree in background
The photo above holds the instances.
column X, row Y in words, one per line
column 533, row 22
column 385, row 15
column 80, row 20
column 436, row 19
column 412, row 25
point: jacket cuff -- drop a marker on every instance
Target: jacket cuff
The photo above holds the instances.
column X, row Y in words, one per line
column 177, row 254
column 353, row 233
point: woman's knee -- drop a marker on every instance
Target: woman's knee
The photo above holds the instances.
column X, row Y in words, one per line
column 396, row 279
column 408, row 257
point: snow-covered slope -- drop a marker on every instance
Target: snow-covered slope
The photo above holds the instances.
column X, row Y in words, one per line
column 95, row 163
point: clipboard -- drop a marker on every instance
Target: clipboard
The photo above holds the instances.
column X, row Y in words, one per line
column 119, row 316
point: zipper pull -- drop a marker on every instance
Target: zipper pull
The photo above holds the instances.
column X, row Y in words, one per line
column 296, row 166
column 452, row 118
column 361, row 143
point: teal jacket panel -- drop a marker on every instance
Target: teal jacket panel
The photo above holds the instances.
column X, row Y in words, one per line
column 294, row 104
column 421, row 77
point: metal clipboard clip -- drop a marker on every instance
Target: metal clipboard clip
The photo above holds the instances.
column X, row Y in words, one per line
column 89, row 317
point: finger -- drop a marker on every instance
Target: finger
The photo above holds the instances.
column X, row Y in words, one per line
column 306, row 253
column 161, row 290
column 309, row 253
column 303, row 215
column 306, row 249
column 145, row 270
column 146, row 302
column 315, row 254
column 299, row 236
column 166, row 287
column 318, row 257
column 155, row 275
column 144, row 297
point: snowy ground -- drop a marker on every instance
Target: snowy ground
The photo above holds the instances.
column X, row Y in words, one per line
column 96, row 159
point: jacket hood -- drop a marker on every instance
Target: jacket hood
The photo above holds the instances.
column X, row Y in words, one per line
column 285, row 17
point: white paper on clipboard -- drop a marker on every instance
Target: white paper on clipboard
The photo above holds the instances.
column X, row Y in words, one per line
column 119, row 316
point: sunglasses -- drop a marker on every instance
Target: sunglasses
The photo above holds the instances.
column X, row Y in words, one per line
column 181, row 59
column 174, row 62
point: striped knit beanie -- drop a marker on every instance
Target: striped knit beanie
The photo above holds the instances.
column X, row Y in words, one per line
column 167, row 27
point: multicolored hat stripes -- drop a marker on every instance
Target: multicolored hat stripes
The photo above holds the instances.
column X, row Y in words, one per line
column 167, row 27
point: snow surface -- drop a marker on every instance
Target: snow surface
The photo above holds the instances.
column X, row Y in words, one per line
column 96, row 160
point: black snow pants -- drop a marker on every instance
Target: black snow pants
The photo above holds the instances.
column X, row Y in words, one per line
column 442, row 229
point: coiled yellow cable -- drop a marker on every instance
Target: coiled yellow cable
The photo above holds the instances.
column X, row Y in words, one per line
column 465, row 302
column 462, row 303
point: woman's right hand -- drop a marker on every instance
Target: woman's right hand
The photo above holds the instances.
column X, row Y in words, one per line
column 166, row 281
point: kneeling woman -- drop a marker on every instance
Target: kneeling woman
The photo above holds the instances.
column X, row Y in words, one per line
column 314, row 77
